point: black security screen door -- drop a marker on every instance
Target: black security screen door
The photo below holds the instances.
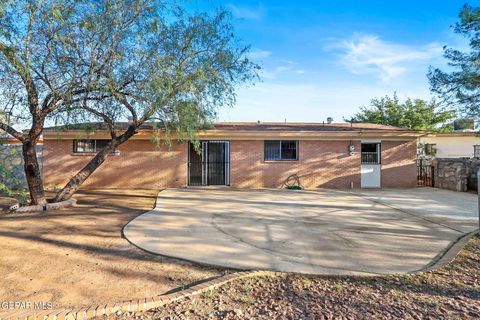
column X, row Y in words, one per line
column 212, row 166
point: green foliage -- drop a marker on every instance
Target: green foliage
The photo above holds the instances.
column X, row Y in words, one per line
column 416, row 114
column 6, row 175
column 460, row 85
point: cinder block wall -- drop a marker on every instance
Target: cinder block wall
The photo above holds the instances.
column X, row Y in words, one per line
column 140, row 165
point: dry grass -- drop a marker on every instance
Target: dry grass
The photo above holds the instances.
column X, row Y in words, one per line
column 77, row 256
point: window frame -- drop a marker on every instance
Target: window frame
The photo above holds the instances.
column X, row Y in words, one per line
column 280, row 142
column 95, row 149
column 430, row 149
column 378, row 152
column 476, row 150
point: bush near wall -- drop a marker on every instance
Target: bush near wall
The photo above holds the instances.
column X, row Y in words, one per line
column 11, row 162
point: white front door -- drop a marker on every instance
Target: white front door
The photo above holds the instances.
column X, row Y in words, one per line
column 370, row 175
column 370, row 168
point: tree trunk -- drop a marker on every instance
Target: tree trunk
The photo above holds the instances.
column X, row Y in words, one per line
column 77, row 180
column 32, row 173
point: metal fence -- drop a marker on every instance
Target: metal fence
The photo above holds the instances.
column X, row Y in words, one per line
column 425, row 174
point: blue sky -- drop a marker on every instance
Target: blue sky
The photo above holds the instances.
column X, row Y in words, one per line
column 328, row 58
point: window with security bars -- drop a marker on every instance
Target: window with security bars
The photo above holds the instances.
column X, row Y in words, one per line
column 89, row 145
column 476, row 151
column 430, row 149
column 370, row 153
column 278, row 150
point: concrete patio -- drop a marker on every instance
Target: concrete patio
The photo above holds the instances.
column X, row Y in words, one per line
column 319, row 232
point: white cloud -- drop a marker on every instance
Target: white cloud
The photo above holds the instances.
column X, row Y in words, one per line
column 369, row 54
column 257, row 54
column 244, row 12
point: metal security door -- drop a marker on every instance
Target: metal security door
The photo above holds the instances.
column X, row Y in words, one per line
column 212, row 166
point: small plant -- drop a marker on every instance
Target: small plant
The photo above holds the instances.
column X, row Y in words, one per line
column 247, row 288
column 23, row 196
column 245, row 299
column 208, row 294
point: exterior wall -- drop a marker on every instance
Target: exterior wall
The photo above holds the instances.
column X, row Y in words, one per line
column 321, row 164
column 453, row 147
column 399, row 168
column 140, row 165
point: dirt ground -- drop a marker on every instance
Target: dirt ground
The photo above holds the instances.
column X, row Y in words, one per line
column 77, row 256
column 6, row 202
column 451, row 292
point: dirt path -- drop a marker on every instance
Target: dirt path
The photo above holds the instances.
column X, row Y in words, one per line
column 77, row 257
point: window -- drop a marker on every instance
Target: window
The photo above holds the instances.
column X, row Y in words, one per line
column 88, row 145
column 281, row 150
column 430, row 149
column 476, row 151
column 371, row 153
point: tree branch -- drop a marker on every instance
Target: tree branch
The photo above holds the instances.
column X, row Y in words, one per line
column 11, row 131
column 24, row 74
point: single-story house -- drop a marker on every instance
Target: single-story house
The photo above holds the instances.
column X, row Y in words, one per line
column 241, row 155
column 450, row 145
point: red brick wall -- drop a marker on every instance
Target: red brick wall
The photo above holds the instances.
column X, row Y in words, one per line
column 140, row 165
column 399, row 168
column 321, row 164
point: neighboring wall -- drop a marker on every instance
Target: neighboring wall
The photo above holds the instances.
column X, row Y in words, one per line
column 140, row 165
column 11, row 157
column 321, row 164
column 456, row 174
column 453, row 146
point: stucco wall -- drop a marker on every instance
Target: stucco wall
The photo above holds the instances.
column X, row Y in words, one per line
column 453, row 147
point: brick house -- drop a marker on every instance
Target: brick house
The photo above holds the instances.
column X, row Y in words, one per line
column 242, row 155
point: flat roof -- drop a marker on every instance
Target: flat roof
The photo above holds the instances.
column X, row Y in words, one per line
column 242, row 126
column 247, row 130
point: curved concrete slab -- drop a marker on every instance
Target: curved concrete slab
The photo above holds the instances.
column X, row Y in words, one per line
column 319, row 232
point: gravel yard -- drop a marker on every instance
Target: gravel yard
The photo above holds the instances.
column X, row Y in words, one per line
column 451, row 292
column 77, row 257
